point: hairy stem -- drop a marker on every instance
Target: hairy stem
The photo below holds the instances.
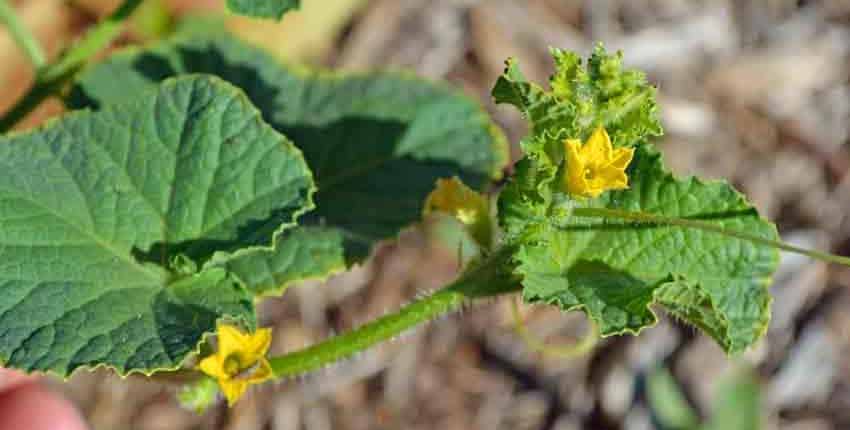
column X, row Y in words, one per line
column 490, row 278
column 22, row 36
column 649, row 218
column 52, row 77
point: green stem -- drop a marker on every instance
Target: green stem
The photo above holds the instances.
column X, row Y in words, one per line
column 23, row 37
column 94, row 40
column 490, row 278
column 382, row 329
column 53, row 77
column 644, row 217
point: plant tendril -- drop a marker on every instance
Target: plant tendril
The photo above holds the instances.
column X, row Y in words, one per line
column 579, row 348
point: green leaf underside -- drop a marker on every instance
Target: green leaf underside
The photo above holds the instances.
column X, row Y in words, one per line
column 615, row 270
column 263, row 8
column 92, row 204
column 376, row 142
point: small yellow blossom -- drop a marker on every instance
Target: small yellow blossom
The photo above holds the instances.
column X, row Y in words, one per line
column 596, row 166
column 453, row 197
column 240, row 360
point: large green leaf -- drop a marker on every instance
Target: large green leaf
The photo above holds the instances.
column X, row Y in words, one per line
column 95, row 205
column 376, row 142
column 263, row 8
column 615, row 270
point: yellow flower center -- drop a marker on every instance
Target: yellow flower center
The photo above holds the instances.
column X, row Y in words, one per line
column 231, row 365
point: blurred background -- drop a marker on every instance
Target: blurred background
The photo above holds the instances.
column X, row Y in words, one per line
column 754, row 91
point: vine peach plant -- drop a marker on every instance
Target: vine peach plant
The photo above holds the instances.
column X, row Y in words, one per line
column 195, row 175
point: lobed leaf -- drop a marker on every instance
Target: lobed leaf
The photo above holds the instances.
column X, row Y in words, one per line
column 376, row 142
column 614, row 270
column 94, row 205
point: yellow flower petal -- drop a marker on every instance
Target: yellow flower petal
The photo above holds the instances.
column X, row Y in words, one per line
column 622, row 157
column 593, row 190
column 233, row 389
column 595, row 167
column 613, row 179
column 262, row 373
column 257, row 344
column 239, row 361
column 453, row 197
column 230, row 339
column 575, row 178
column 214, row 366
column 598, row 147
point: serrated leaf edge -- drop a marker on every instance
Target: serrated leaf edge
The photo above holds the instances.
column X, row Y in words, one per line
column 666, row 174
column 255, row 115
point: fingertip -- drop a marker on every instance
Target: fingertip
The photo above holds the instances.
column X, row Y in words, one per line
column 10, row 379
column 34, row 407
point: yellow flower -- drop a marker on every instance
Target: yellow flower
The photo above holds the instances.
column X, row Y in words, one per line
column 453, row 197
column 596, row 166
column 240, row 360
